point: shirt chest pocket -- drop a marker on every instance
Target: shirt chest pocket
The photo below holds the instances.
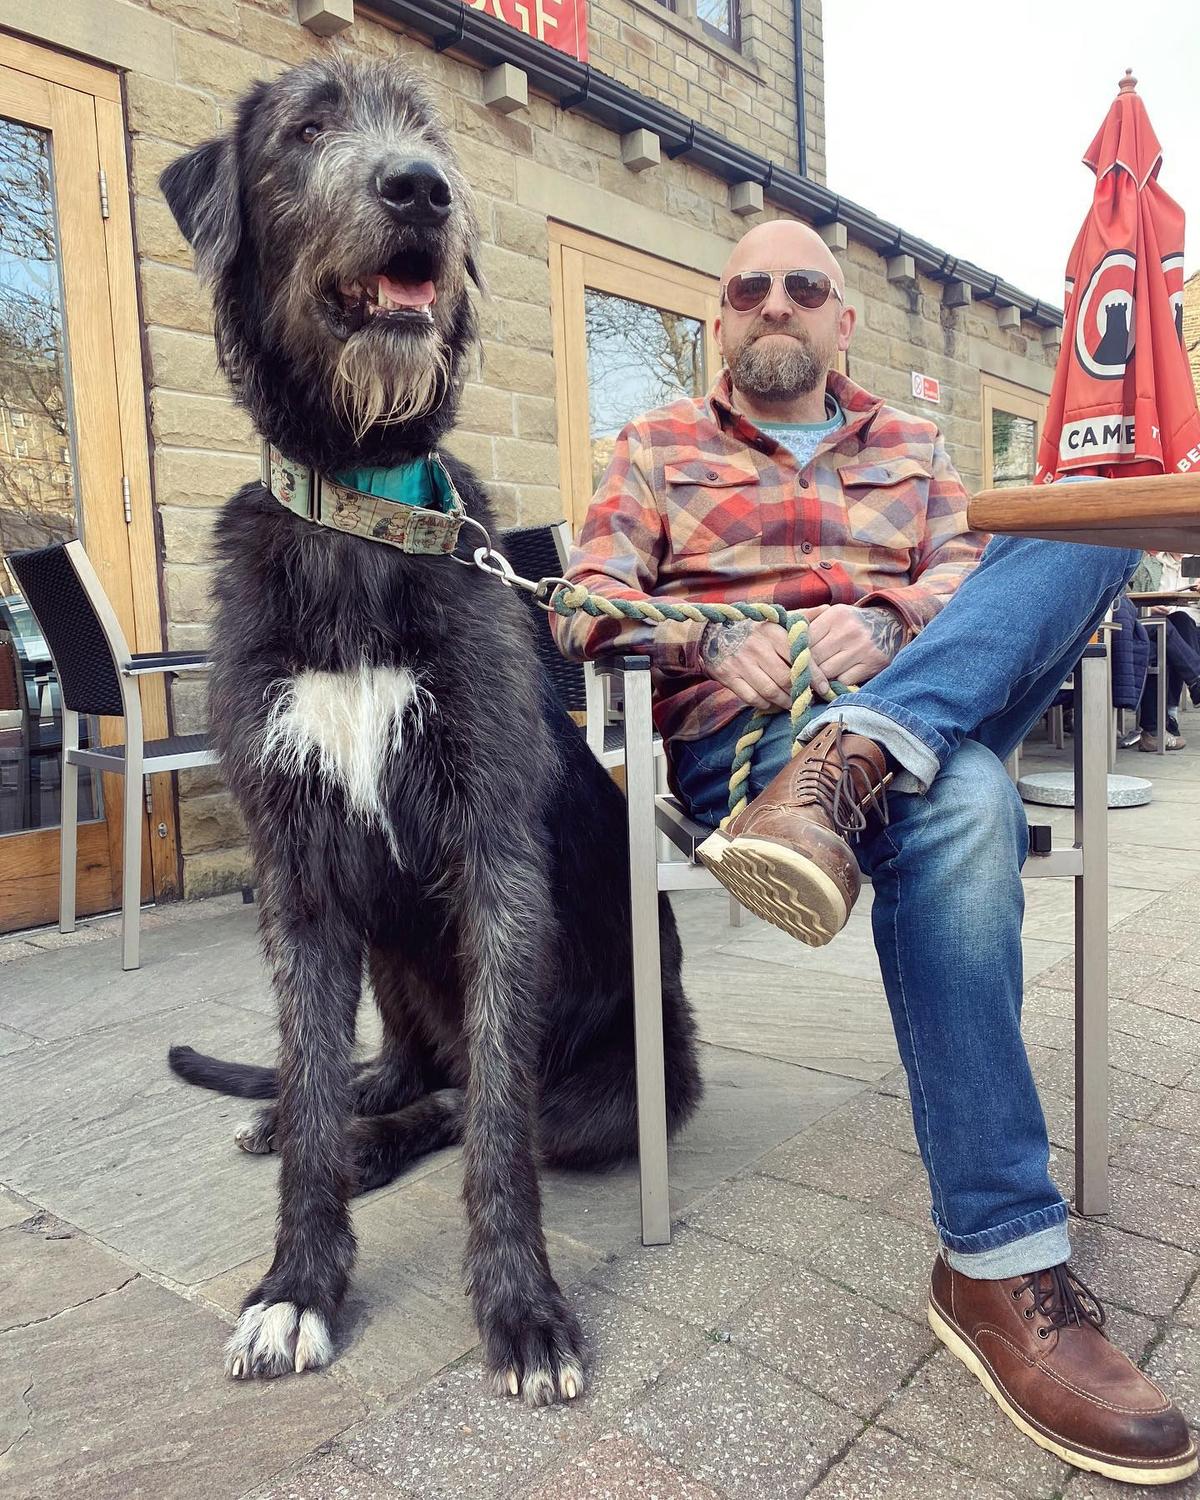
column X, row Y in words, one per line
column 711, row 504
column 885, row 502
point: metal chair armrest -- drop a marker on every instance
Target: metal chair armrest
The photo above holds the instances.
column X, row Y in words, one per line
column 145, row 663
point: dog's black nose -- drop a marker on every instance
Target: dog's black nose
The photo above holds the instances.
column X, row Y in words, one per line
column 417, row 193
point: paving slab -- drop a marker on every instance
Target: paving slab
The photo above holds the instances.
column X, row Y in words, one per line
column 13, row 1209
column 831, row 1161
column 406, row 1315
column 698, row 1279
column 1180, row 1110
column 1173, row 1155
column 886, row 1261
column 100, row 1133
column 1125, row 1268
column 743, row 1429
column 767, row 1214
column 944, row 1409
column 329, row 1476
column 1175, row 1365
column 122, row 1397
column 618, row 1468
column 1093, row 1487
column 882, row 1466
column 13, row 1041
column 631, row 1350
column 46, row 1267
column 836, row 1343
column 456, row 1438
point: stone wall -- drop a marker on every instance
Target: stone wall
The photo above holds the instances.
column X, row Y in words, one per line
column 186, row 61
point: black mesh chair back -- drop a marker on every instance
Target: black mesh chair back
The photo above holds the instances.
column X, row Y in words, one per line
column 533, row 552
column 87, row 671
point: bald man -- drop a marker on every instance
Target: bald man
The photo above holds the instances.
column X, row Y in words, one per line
column 787, row 482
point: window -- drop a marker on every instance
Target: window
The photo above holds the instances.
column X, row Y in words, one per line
column 722, row 19
column 1012, row 429
column 20, row 450
column 630, row 333
column 18, row 419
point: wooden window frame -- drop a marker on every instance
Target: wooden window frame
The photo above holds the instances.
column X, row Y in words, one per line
column 1017, row 401
column 579, row 260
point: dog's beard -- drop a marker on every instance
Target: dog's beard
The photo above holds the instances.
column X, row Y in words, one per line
column 779, row 369
column 383, row 381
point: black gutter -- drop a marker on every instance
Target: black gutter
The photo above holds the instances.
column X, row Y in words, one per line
column 451, row 25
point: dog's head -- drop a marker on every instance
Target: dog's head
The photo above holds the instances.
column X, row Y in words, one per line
column 338, row 236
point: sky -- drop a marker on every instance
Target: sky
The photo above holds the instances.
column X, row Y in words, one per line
column 965, row 122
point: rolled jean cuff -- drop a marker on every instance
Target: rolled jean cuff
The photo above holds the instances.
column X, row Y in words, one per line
column 920, row 750
column 1033, row 1243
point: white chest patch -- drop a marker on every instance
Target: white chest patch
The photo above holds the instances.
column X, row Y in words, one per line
column 346, row 726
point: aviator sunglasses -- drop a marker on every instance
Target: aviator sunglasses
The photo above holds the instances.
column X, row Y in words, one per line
column 749, row 289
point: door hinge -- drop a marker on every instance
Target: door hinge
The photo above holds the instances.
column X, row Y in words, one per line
column 103, row 194
column 149, row 798
column 125, row 498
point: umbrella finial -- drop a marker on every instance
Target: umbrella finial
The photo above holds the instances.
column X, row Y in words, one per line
column 1128, row 84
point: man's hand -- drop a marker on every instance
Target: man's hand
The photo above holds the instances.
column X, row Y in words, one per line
column 751, row 659
column 851, row 645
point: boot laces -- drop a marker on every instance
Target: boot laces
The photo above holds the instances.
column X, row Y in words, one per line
column 1062, row 1299
column 848, row 789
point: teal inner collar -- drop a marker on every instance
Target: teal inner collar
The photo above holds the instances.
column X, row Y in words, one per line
column 417, row 483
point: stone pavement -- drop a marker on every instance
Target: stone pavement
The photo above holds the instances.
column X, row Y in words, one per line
column 777, row 1347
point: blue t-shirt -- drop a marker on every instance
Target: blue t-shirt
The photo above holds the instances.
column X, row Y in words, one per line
column 802, row 439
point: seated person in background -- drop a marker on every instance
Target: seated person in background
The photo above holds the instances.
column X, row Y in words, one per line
column 788, row 482
column 1183, row 670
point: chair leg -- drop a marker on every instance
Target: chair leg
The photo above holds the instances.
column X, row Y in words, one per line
column 737, row 912
column 1091, row 936
column 68, row 839
column 647, row 974
column 131, row 864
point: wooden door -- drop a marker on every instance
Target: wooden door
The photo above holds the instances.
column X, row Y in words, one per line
column 73, row 462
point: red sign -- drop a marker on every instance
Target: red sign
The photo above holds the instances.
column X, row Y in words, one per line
column 561, row 24
column 926, row 388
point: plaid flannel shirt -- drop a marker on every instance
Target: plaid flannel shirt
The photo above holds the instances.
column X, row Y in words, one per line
column 698, row 504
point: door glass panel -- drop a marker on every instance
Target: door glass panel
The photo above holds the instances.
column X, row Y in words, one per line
column 38, row 501
column 1014, row 449
column 638, row 358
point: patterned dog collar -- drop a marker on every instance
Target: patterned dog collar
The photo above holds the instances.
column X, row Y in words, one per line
column 411, row 528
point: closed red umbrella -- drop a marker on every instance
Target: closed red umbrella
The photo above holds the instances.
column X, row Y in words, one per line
column 1123, row 402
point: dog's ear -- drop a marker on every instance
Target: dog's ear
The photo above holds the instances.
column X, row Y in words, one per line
column 475, row 273
column 202, row 191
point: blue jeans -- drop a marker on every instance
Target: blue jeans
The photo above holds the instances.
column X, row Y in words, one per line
column 947, row 876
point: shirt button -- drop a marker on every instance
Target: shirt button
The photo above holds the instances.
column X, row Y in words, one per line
column 802, row 484
column 827, row 565
column 710, row 473
column 806, row 546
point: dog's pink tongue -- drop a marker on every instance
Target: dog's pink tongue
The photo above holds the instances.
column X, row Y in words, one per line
column 408, row 293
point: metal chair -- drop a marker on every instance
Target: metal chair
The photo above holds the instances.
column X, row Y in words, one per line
column 1085, row 862
column 97, row 674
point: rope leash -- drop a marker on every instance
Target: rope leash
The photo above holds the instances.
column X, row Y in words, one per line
column 566, row 598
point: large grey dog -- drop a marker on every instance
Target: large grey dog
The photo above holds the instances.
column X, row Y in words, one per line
column 414, row 801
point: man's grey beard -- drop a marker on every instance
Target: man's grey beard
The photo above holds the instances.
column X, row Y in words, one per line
column 785, row 368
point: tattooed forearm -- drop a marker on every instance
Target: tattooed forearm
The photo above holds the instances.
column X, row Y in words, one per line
column 720, row 642
column 887, row 631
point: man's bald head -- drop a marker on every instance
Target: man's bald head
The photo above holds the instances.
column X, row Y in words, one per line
column 783, row 245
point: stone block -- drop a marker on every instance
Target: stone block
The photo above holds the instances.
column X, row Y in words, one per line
column 537, row 420
column 474, row 449
column 187, row 535
column 174, row 298
column 182, row 420
column 325, row 17
column 566, row 157
column 157, row 235
column 525, row 325
column 520, row 461
column 485, row 409
column 185, row 362
column 199, row 477
column 149, row 158
column 219, row 67
column 505, row 88
column 506, row 132
column 215, row 871
column 211, row 822
column 835, row 236
column 189, row 593
column 482, row 162
column 1052, row 340
column 47, row 1267
column 958, row 294
column 902, row 270
column 640, row 149
column 168, row 111
column 218, row 16
column 516, row 277
column 746, row 198
column 530, row 371
column 279, row 36
column 745, row 1430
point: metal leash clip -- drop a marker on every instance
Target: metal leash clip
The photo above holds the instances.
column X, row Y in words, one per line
column 488, row 560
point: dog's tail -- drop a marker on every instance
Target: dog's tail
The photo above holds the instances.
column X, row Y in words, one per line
column 242, row 1080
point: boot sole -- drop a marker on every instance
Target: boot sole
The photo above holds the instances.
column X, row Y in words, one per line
column 1126, row 1473
column 779, row 885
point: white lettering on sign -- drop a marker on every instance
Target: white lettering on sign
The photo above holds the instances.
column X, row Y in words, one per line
column 926, row 388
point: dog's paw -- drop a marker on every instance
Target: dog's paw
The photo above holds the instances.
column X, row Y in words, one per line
column 274, row 1338
column 538, row 1356
column 257, row 1136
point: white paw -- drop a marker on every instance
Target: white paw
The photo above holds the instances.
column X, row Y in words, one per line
column 255, row 1137
column 542, row 1385
column 276, row 1337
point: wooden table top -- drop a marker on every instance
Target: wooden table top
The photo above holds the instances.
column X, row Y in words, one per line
column 1165, row 596
column 1158, row 513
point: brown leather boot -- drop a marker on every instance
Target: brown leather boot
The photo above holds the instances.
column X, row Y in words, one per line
column 787, row 856
column 1036, row 1345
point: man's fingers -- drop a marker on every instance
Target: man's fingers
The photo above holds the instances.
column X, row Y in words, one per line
column 774, row 666
column 771, row 693
column 818, row 679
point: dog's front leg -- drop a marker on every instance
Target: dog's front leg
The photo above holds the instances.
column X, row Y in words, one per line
column 532, row 1342
column 287, row 1321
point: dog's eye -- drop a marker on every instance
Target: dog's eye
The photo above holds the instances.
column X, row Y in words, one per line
column 309, row 131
